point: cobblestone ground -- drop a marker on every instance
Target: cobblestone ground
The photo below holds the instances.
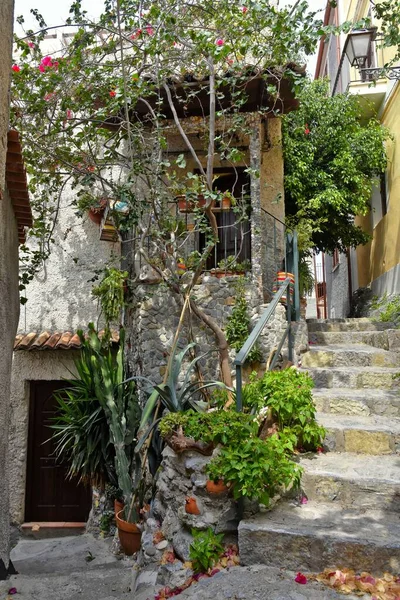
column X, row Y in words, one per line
column 68, row 568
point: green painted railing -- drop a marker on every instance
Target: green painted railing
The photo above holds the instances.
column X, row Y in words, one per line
column 292, row 266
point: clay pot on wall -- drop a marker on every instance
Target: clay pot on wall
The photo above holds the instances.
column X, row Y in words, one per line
column 96, row 213
column 191, row 506
column 216, row 487
column 129, row 535
column 280, row 278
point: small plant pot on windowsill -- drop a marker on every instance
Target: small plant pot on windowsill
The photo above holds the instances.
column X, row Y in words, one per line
column 220, row 273
column 226, row 203
column 216, row 487
column 129, row 534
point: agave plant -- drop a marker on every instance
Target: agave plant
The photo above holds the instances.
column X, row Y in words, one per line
column 82, row 428
column 172, row 396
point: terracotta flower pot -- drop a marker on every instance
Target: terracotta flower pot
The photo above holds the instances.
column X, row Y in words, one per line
column 216, row 487
column 187, row 206
column 191, row 506
column 280, row 278
column 226, row 203
column 129, row 535
column 96, row 213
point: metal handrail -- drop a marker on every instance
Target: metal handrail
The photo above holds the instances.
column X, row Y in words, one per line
column 255, row 334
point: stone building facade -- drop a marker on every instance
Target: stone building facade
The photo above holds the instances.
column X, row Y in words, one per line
column 60, row 301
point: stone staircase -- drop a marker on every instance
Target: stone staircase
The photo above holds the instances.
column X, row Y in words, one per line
column 352, row 516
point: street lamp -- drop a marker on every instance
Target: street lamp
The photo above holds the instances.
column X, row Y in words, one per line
column 358, row 48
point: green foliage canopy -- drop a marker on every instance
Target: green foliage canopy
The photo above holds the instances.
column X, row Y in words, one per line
column 331, row 159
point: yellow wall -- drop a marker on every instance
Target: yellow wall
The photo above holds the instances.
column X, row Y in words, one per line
column 385, row 247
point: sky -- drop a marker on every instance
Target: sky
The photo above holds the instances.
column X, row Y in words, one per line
column 55, row 12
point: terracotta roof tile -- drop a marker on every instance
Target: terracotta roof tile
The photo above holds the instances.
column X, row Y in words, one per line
column 46, row 340
column 17, row 184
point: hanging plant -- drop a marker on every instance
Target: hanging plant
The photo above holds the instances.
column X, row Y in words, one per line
column 110, row 293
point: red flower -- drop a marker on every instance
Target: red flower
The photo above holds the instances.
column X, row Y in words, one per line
column 149, row 30
column 49, row 96
column 320, row 449
column 69, row 113
column 137, row 34
column 300, row 578
column 41, row 68
column 31, row 44
column 244, row 9
column 47, row 61
column 16, row 68
column 220, row 42
column 306, row 130
column 112, row 93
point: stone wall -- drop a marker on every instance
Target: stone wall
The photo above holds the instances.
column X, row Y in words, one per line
column 154, row 317
column 9, row 304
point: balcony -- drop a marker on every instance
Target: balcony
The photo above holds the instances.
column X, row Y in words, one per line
column 370, row 86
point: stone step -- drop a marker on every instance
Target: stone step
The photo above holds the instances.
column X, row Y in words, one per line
column 356, row 355
column 315, row 536
column 354, row 377
column 348, row 325
column 353, row 481
column 363, row 402
column 377, row 339
column 363, row 435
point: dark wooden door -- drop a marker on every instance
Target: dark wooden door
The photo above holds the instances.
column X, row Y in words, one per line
column 50, row 496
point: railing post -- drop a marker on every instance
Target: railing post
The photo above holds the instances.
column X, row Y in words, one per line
column 239, row 404
column 296, row 277
column 289, row 320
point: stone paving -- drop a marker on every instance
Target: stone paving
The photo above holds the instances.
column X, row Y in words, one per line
column 68, row 568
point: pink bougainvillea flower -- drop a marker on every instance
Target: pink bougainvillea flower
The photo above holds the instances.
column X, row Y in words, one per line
column 220, row 42
column 306, row 130
column 41, row 68
column 12, row 591
column 300, row 578
column 112, row 93
column 69, row 113
column 136, row 34
column 47, row 61
column 303, row 500
column 16, row 68
column 31, row 44
column 55, row 64
column 149, row 30
column 91, row 168
column 49, row 96
column 244, row 9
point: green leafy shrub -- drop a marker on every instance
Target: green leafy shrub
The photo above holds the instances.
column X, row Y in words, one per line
column 219, row 427
column 389, row 309
column 238, row 324
column 288, row 396
column 205, row 550
column 256, row 468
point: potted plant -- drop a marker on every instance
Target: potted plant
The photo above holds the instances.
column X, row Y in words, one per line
column 120, row 404
column 279, row 281
column 227, row 201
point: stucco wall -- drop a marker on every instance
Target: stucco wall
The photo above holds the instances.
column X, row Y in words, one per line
column 337, row 287
column 28, row 366
column 9, row 304
column 59, row 298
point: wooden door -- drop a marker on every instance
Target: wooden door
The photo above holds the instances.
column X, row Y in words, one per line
column 50, row 496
